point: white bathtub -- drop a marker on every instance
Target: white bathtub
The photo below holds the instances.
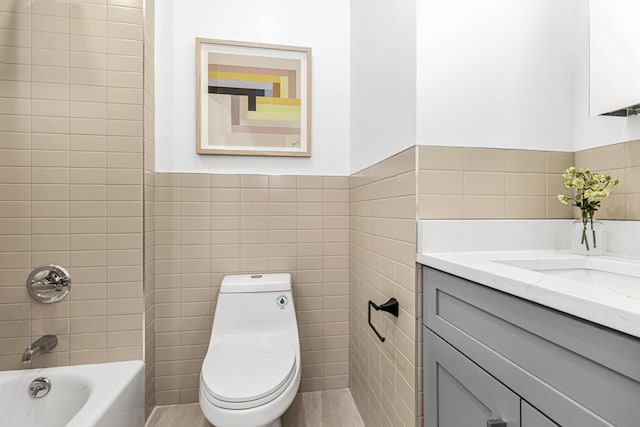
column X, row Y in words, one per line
column 102, row 395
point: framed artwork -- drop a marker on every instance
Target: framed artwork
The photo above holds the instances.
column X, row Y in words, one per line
column 252, row 99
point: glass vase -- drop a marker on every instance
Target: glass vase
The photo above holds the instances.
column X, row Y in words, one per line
column 587, row 241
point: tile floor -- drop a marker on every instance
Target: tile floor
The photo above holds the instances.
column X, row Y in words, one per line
column 334, row 408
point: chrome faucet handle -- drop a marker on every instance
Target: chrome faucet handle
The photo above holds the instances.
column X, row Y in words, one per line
column 49, row 283
column 55, row 284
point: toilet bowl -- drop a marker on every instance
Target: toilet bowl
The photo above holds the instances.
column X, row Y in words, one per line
column 251, row 372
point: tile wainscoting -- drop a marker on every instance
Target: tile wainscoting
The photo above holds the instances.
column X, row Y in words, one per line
column 622, row 161
column 383, row 376
column 480, row 183
column 458, row 182
column 208, row 226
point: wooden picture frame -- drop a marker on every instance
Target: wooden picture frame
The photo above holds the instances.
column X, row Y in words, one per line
column 252, row 99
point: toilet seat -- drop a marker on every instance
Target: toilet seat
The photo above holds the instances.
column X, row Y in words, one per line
column 245, row 371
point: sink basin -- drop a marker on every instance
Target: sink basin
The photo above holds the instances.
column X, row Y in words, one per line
column 594, row 277
column 605, row 272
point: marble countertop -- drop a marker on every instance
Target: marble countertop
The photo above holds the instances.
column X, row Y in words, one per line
column 610, row 298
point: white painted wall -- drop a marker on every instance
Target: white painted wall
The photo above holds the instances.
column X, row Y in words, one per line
column 495, row 73
column 321, row 24
column 590, row 132
column 383, row 80
column 387, row 76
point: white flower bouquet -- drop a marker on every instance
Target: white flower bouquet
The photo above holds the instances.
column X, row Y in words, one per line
column 589, row 190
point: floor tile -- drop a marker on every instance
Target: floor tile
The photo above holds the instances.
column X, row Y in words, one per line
column 333, row 408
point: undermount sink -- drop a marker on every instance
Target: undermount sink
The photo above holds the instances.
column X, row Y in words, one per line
column 595, row 277
column 605, row 271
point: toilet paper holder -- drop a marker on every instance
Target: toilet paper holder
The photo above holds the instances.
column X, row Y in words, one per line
column 391, row 307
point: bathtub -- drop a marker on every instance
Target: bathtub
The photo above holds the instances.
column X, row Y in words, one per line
column 102, row 395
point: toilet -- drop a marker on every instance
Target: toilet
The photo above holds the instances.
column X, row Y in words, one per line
column 251, row 372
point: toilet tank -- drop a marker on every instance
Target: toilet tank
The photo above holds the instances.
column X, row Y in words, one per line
column 253, row 304
column 245, row 283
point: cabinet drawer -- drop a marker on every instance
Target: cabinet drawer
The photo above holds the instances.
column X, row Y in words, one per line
column 577, row 373
column 460, row 394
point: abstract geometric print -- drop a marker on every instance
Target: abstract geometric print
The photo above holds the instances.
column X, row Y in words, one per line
column 253, row 101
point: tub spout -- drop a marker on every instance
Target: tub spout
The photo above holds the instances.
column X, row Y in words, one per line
column 42, row 345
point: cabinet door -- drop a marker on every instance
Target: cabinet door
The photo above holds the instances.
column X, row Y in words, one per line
column 458, row 393
column 531, row 417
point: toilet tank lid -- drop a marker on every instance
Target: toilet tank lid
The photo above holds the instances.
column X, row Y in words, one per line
column 244, row 283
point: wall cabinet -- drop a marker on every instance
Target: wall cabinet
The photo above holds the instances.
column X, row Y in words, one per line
column 492, row 356
column 614, row 55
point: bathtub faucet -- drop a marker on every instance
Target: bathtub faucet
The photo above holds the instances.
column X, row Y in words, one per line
column 42, row 345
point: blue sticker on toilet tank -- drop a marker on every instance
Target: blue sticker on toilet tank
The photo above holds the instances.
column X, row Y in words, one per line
column 282, row 301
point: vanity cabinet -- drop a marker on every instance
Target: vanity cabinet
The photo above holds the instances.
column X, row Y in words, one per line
column 489, row 355
column 531, row 417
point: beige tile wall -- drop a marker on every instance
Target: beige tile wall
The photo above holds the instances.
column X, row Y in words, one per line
column 472, row 183
column 211, row 225
column 425, row 182
column 383, row 376
column 71, row 175
column 622, row 161
column 149, row 206
column 15, row 180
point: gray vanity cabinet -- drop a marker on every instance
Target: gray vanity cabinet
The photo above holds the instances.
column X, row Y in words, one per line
column 463, row 395
column 531, row 417
column 485, row 349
